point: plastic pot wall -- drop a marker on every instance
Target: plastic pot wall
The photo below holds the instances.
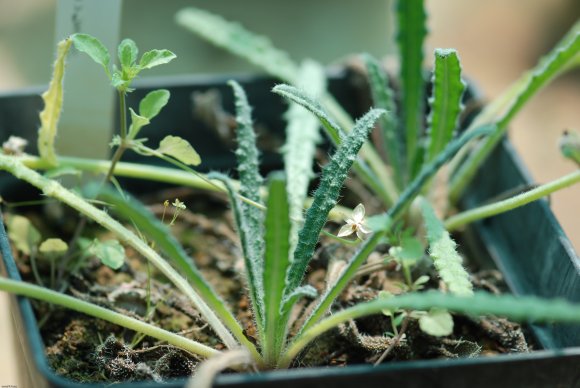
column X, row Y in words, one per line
column 527, row 245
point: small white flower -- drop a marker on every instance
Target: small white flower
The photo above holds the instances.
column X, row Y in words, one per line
column 178, row 204
column 355, row 224
column 14, row 145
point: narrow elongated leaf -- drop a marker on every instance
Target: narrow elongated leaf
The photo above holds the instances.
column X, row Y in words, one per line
column 276, row 263
column 445, row 102
column 155, row 58
column 443, row 252
column 52, row 99
column 336, row 134
column 238, row 40
column 302, row 137
column 180, row 149
column 93, row 48
column 131, row 209
column 127, row 52
column 153, row 102
column 563, row 57
column 393, row 137
column 412, row 31
column 326, row 195
column 250, row 184
column 255, row 285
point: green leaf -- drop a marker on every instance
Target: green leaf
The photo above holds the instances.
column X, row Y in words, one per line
column 410, row 249
column 110, row 252
column 393, row 137
column 54, row 246
column 502, row 110
column 155, row 231
column 153, row 102
column 412, row 31
column 179, row 149
column 155, row 58
column 137, row 122
column 327, row 193
column 437, row 322
column 236, row 39
column 252, row 218
column 52, row 99
column 445, row 257
column 276, row 263
column 335, row 133
column 127, row 52
column 302, row 137
column 445, row 102
column 23, row 234
column 93, row 48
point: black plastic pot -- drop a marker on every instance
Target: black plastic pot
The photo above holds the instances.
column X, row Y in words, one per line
column 527, row 245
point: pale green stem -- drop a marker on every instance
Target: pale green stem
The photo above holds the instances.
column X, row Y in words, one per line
column 155, row 173
column 69, row 302
column 54, row 189
column 486, row 211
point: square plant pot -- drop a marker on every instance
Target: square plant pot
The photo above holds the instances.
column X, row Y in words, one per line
column 527, row 245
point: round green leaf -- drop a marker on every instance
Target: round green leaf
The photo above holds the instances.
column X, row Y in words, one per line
column 53, row 246
column 110, row 252
column 437, row 323
column 22, row 233
column 179, row 149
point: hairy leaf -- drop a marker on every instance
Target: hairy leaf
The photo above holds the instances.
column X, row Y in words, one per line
column 179, row 149
column 445, row 257
column 155, row 58
column 412, row 31
column 327, row 193
column 276, row 263
column 110, row 252
column 93, row 48
column 302, row 136
column 445, row 102
column 153, row 102
column 238, row 40
column 52, row 99
column 127, row 52
column 393, row 137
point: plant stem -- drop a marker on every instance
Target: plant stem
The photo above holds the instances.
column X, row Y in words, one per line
column 54, row 189
column 468, row 216
column 50, row 296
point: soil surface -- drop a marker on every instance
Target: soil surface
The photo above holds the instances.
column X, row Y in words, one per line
column 90, row 350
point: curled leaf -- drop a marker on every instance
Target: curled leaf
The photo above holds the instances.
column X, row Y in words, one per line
column 180, row 149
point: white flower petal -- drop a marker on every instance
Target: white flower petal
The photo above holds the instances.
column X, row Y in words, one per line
column 358, row 213
column 364, row 229
column 346, row 230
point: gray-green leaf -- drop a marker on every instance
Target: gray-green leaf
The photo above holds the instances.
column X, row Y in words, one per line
column 153, row 102
column 179, row 149
column 127, row 52
column 93, row 48
column 155, row 58
column 436, row 322
column 110, row 252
